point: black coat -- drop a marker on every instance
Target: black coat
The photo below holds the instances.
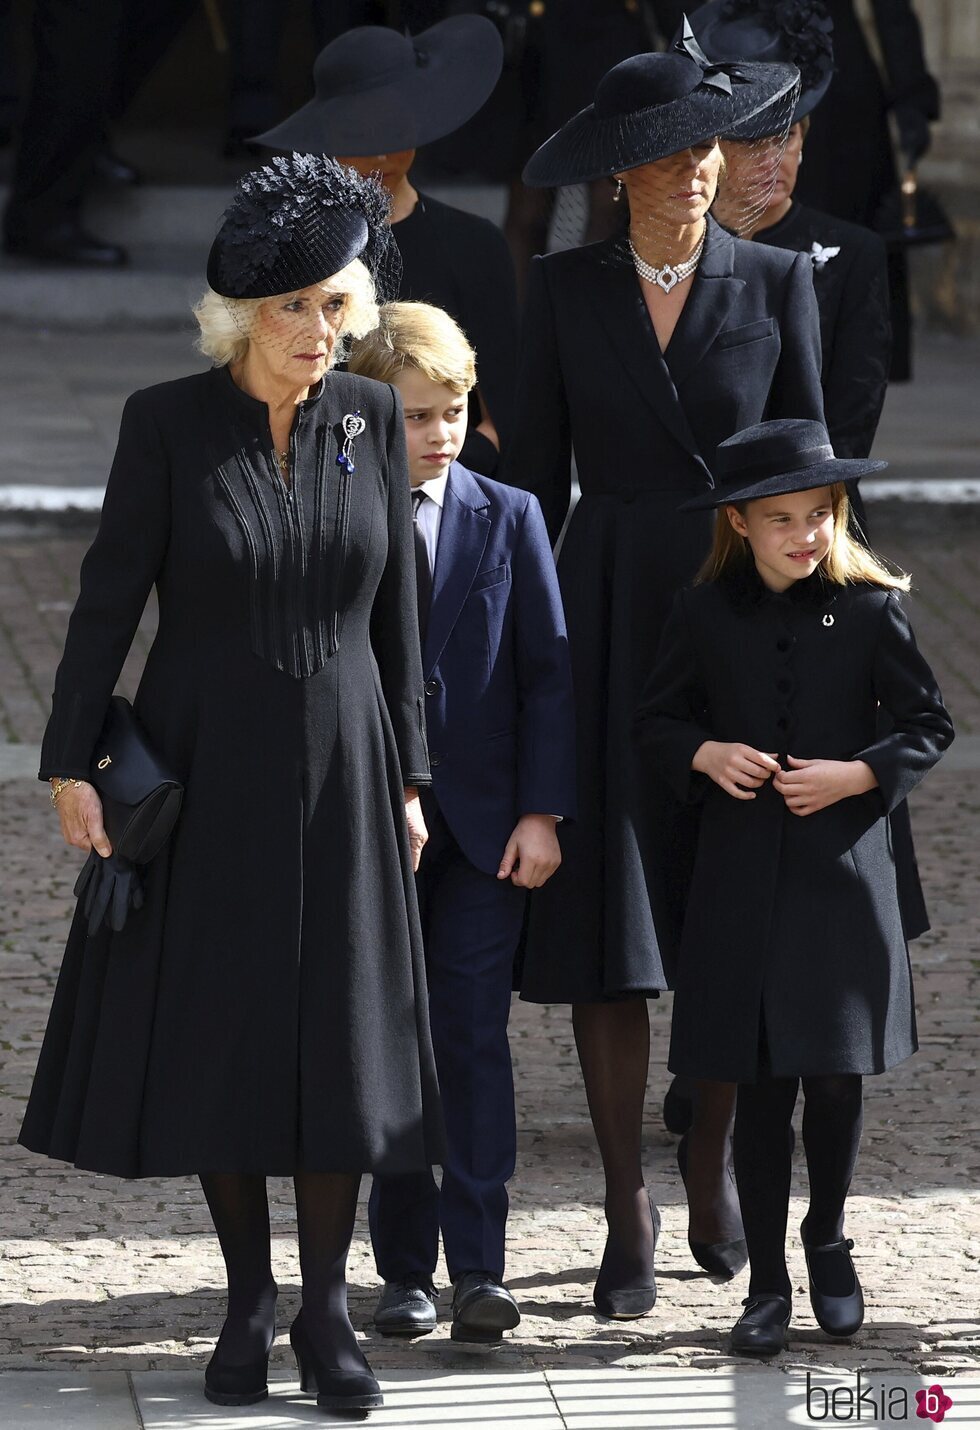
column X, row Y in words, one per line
column 852, row 295
column 461, row 263
column 266, row 1008
column 644, row 431
column 792, row 922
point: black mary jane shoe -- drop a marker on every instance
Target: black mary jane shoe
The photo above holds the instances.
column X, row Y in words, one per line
column 720, row 1259
column 839, row 1316
column 236, row 1384
column 627, row 1303
column 761, row 1328
column 483, row 1309
column 334, row 1389
column 405, row 1308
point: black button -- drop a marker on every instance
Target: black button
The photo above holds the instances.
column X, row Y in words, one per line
column 784, row 643
column 784, row 684
column 432, row 687
column 434, row 760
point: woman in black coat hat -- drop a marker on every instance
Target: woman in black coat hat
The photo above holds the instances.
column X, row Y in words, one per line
column 642, row 376
column 379, row 97
column 763, row 706
column 264, row 1012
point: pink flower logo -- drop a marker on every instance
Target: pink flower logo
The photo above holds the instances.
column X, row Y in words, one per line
column 933, row 1404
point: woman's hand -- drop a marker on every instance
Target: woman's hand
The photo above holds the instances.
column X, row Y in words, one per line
column 417, row 832
column 810, row 785
column 533, row 852
column 80, row 812
column 737, row 769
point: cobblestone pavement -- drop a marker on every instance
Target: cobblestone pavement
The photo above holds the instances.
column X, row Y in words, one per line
column 103, row 1274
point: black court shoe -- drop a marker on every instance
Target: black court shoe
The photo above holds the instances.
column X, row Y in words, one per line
column 761, row 1328
column 334, row 1389
column 842, row 1314
column 236, row 1384
column 721, row 1259
column 622, row 1303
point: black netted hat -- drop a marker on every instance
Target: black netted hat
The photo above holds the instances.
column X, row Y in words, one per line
column 797, row 32
column 297, row 221
column 652, row 105
column 785, row 454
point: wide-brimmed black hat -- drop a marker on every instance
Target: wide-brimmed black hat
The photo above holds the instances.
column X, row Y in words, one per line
column 785, row 454
column 378, row 91
column 796, row 32
column 297, row 221
column 652, row 105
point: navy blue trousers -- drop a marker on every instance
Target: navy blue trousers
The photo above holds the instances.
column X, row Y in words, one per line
column 471, row 924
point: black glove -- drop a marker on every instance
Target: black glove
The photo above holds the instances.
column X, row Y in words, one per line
column 110, row 888
column 913, row 132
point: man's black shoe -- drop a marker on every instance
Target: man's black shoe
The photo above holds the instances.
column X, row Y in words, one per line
column 405, row 1308
column 482, row 1310
column 63, row 241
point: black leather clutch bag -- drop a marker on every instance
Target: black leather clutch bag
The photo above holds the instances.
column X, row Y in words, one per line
column 140, row 803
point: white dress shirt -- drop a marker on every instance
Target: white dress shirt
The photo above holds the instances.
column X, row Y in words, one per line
column 429, row 515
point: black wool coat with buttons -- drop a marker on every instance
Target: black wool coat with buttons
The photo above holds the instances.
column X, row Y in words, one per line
column 644, row 426
column 266, row 1008
column 792, row 922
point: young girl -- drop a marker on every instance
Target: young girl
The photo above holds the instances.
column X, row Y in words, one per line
column 793, row 963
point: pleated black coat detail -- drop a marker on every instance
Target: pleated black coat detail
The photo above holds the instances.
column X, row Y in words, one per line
column 792, row 923
column 644, row 427
column 266, row 1009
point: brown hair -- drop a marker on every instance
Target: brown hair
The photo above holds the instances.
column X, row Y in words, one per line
column 419, row 336
column 846, row 563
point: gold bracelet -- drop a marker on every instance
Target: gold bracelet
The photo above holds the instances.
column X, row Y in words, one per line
column 58, row 787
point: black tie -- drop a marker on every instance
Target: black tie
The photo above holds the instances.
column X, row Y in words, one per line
column 423, row 571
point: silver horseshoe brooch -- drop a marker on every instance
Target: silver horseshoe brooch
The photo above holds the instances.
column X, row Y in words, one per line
column 353, row 425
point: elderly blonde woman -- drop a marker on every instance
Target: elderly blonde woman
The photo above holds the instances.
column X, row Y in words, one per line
column 263, row 1012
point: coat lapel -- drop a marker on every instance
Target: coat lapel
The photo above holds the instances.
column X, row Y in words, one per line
column 463, row 535
column 714, row 292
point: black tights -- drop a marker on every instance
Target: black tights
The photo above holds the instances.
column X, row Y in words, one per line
column 326, row 1203
column 832, row 1122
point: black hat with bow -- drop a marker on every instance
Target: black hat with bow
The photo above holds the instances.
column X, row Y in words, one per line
column 769, row 459
column 652, row 105
column 379, row 92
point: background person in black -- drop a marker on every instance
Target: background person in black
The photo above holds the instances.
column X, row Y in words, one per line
column 379, row 97
column 643, row 384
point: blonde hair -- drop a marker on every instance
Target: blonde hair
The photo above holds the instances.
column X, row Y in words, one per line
column 225, row 322
column 846, row 563
column 417, row 336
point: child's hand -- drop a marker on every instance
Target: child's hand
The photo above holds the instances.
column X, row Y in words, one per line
column 810, row 785
column 533, row 852
column 737, row 769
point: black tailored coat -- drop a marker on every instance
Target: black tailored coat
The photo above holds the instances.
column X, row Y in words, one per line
column 644, row 427
column 266, row 1008
column 792, row 922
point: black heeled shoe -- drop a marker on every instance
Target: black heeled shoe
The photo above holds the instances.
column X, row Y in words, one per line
column 621, row 1303
column 237, row 1384
column 761, row 1328
column 839, row 1316
column 720, row 1259
column 334, row 1389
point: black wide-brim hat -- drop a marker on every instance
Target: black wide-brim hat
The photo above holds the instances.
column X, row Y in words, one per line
column 796, row 32
column 379, row 92
column 652, row 105
column 298, row 221
column 785, row 454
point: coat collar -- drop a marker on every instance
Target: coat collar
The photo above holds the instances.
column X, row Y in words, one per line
column 746, row 591
column 463, row 535
column 711, row 300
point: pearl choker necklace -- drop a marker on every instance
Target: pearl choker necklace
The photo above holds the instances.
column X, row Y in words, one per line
column 669, row 275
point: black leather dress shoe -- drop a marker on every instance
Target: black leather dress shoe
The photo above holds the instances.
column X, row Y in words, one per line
column 761, row 1328
column 63, row 242
column 405, row 1308
column 482, row 1310
column 112, row 169
column 840, row 1314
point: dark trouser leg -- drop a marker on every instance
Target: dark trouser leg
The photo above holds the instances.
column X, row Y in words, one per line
column 326, row 1203
column 833, row 1118
column 711, row 1196
column 763, row 1167
column 613, row 1041
column 239, row 1208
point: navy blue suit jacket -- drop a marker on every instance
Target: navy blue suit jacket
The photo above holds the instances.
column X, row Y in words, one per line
column 498, row 683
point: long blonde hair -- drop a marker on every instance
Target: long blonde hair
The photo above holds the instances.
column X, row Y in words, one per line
column 846, row 563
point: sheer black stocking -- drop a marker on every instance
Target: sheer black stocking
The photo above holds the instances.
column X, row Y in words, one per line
column 613, row 1042
column 712, row 1200
column 763, row 1167
column 833, row 1119
column 239, row 1208
column 326, row 1203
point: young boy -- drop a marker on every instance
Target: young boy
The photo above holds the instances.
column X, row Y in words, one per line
column 501, row 748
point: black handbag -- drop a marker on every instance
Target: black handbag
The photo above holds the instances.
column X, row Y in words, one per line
column 140, row 803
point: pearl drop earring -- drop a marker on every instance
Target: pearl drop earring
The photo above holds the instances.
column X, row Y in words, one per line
column 618, row 192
